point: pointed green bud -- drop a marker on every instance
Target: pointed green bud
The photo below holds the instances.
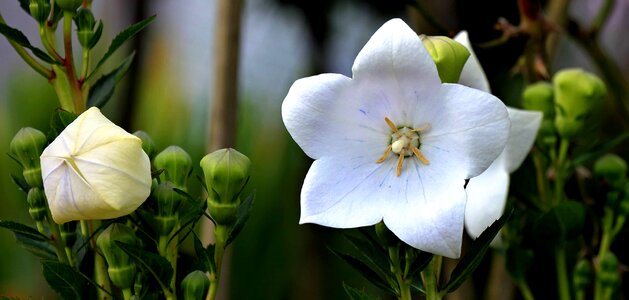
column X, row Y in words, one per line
column 148, row 145
column 40, row 9
column 578, row 99
column 122, row 268
column 613, row 169
column 37, row 206
column 195, row 286
column 449, row 55
column 168, row 202
column 69, row 5
column 385, row 236
column 226, row 173
column 582, row 275
column 608, row 274
column 85, row 22
column 176, row 164
column 540, row 97
column 26, row 147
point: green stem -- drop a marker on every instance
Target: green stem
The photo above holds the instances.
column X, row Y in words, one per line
column 560, row 168
column 85, row 68
column 77, row 95
column 562, row 273
column 602, row 16
column 525, row 291
column 57, row 241
column 540, row 176
column 430, row 276
column 606, row 239
column 100, row 266
column 44, row 34
column 396, row 267
column 127, row 294
column 221, row 234
column 169, row 251
column 39, row 68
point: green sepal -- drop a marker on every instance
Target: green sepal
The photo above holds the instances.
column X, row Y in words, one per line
column 244, row 211
column 39, row 10
column 474, row 255
column 37, row 204
column 195, row 286
column 121, row 267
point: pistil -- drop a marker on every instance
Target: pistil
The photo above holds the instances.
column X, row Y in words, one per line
column 404, row 142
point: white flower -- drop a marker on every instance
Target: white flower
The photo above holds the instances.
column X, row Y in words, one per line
column 393, row 143
column 487, row 193
column 94, row 170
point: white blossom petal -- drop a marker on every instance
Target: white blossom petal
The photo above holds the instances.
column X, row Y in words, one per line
column 524, row 127
column 472, row 74
column 486, row 198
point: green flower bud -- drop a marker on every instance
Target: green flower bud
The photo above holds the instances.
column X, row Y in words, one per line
column 122, row 268
column 539, row 97
column 449, row 56
column 195, row 286
column 40, row 9
column 582, row 274
column 147, row 143
column 578, row 97
column 226, row 173
column 623, row 207
column 608, row 275
column 176, row 164
column 69, row 5
column 37, row 206
column 85, row 22
column 68, row 233
column 168, row 202
column 26, row 147
column 385, row 236
column 613, row 169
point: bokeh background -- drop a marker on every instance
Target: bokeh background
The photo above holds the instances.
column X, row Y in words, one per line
column 167, row 93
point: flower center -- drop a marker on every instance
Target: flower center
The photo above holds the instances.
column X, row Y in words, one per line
column 404, row 142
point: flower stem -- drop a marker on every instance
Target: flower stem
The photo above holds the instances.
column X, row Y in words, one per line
column 562, row 273
column 77, row 95
column 127, row 294
column 221, row 234
column 606, row 239
column 396, row 267
column 169, row 251
column 525, row 291
column 560, row 168
column 100, row 267
column 430, row 276
column 38, row 67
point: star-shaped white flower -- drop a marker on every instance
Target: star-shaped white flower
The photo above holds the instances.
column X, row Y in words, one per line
column 487, row 193
column 393, row 143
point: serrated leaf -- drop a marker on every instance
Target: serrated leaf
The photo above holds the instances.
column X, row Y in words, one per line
column 18, row 37
column 241, row 218
column 599, row 149
column 24, row 230
column 371, row 254
column 39, row 248
column 105, row 86
column 150, row 262
column 96, row 36
column 421, row 262
column 474, row 256
column 65, row 280
column 365, row 271
column 122, row 37
column 205, row 256
column 356, row 294
column 564, row 221
column 21, row 183
column 59, row 121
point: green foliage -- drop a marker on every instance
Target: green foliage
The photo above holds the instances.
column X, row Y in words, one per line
column 562, row 222
column 241, row 218
column 366, row 271
column 356, row 294
column 18, row 37
column 158, row 267
column 105, row 86
column 23, row 230
column 205, row 256
column 64, row 279
column 59, row 121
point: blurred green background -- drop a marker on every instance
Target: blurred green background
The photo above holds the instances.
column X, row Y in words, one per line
column 167, row 94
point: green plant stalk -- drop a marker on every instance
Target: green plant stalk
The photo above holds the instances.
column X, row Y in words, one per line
column 525, row 291
column 221, row 233
column 127, row 294
column 606, row 240
column 562, row 274
column 404, row 284
column 100, row 266
column 57, row 242
column 62, row 87
column 602, row 16
column 77, row 95
column 539, row 176
column 85, row 68
column 430, row 277
column 28, row 59
column 169, row 251
column 45, row 34
column 560, row 168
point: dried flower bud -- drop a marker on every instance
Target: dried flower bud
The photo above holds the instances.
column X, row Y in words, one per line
column 449, row 56
column 95, row 170
column 195, row 286
column 176, row 163
column 122, row 268
column 578, row 98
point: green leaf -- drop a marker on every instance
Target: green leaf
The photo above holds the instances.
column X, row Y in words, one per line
column 26, row 231
column 474, row 255
column 18, row 37
column 372, row 254
column 241, row 218
column 421, row 262
column 41, row 249
column 104, row 88
column 122, row 37
column 65, row 280
column 205, row 256
column 59, row 121
column 150, row 262
column 562, row 222
column 96, row 37
column 365, row 270
column 356, row 294
column 517, row 261
column 599, row 149
column 21, row 183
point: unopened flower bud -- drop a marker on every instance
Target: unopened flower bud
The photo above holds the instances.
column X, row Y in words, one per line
column 168, row 202
column 195, row 286
column 608, row 275
column 226, row 172
column 581, row 275
column 539, row 97
column 148, row 145
column 39, row 9
column 69, row 5
column 176, row 163
column 36, row 204
column 26, row 146
column 94, row 170
column 449, row 56
column 122, row 268
column 578, row 97
column 85, row 22
column 385, row 236
column 613, row 169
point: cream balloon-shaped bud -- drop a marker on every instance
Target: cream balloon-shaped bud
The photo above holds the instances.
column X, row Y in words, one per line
column 95, row 170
